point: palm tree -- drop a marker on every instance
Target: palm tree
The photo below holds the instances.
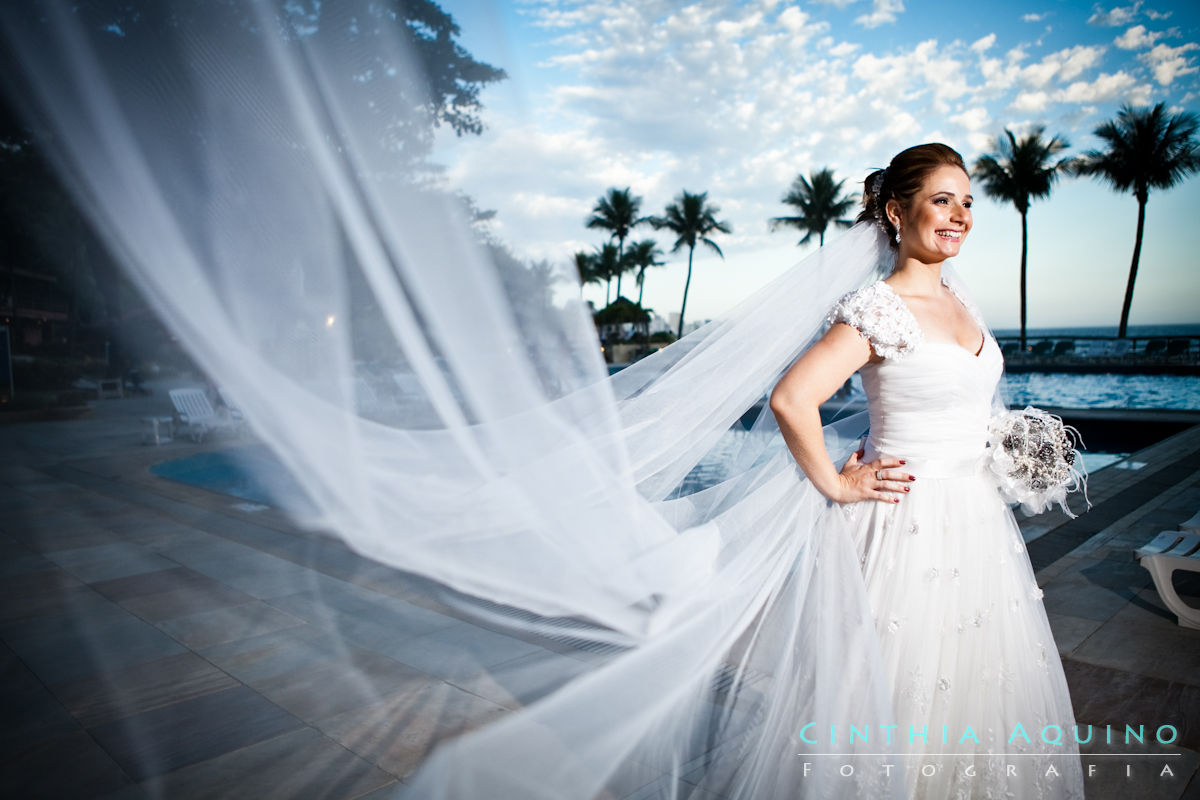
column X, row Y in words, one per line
column 607, row 265
column 1019, row 171
column 585, row 265
column 642, row 255
column 617, row 213
column 691, row 219
column 1144, row 150
column 819, row 201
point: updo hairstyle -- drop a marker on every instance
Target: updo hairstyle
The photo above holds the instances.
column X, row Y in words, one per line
column 902, row 180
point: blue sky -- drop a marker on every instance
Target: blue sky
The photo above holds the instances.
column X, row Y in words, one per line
column 737, row 98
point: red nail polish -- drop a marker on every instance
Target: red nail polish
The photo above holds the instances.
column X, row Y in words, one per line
column 897, row 500
column 903, row 462
column 908, row 488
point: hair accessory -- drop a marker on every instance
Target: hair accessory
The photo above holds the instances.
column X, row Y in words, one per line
column 876, row 190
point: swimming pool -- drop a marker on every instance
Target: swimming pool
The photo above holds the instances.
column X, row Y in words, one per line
column 250, row 473
column 253, row 474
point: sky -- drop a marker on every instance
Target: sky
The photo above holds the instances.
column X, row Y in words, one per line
column 738, row 98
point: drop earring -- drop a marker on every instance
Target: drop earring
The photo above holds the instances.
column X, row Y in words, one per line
column 897, row 236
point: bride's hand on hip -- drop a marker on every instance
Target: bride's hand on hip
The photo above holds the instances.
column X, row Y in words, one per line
column 873, row 480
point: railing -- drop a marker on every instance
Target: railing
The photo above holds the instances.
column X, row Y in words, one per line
column 1151, row 354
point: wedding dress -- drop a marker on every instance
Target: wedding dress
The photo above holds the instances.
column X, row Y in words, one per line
column 966, row 647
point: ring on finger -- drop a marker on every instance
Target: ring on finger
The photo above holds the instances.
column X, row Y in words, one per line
column 879, row 475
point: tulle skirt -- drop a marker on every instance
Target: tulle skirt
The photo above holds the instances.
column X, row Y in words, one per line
column 981, row 703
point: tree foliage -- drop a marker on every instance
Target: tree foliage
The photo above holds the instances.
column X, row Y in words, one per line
column 157, row 49
column 607, row 263
column 819, row 203
column 1143, row 149
column 617, row 212
column 1019, row 171
column 642, row 256
column 693, row 221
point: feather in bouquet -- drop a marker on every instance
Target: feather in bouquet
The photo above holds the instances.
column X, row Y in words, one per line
column 1033, row 456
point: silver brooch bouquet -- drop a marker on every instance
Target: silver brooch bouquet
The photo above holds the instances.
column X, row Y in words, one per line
column 1034, row 459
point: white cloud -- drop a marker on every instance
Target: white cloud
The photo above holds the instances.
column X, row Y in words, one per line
column 1136, row 38
column 1104, row 88
column 738, row 96
column 984, row 44
column 1078, row 59
column 927, row 69
column 1119, row 16
column 1062, row 66
column 1033, row 17
column 541, row 205
column 736, row 29
column 973, row 119
column 1168, row 63
column 1000, row 75
column 978, row 141
column 1139, row 95
column 1114, row 17
column 1031, row 102
column 793, row 19
column 884, row 12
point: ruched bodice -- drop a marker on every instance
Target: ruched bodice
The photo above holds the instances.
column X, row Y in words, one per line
column 929, row 401
column 933, row 404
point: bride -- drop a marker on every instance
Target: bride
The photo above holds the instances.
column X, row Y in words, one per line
column 966, row 646
column 749, row 640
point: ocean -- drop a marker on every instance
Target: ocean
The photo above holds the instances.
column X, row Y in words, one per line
column 1135, row 331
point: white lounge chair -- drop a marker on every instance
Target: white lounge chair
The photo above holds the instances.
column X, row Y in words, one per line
column 197, row 414
column 1192, row 525
column 1167, row 552
column 235, row 412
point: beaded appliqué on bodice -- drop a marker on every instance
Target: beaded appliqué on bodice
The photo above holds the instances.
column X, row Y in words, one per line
column 878, row 314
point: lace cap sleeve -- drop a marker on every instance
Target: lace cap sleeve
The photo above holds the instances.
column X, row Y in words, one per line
column 880, row 315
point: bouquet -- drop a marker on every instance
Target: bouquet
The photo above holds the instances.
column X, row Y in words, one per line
column 1033, row 456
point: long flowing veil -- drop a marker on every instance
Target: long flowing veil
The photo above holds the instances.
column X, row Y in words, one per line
column 445, row 420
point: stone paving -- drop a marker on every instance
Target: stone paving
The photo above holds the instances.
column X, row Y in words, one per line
column 160, row 640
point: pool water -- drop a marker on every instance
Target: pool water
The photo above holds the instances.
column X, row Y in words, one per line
column 250, row 473
column 712, row 468
column 1064, row 390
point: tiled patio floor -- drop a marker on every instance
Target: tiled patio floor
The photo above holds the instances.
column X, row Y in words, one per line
column 156, row 640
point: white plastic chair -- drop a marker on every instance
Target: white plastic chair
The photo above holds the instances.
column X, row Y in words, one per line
column 195, row 412
column 1167, row 552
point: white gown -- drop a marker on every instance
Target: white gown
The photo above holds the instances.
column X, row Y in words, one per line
column 965, row 641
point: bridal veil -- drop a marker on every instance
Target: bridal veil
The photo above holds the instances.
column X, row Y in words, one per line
column 445, row 420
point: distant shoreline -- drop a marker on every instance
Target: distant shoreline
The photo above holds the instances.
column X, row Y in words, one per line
column 1135, row 331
